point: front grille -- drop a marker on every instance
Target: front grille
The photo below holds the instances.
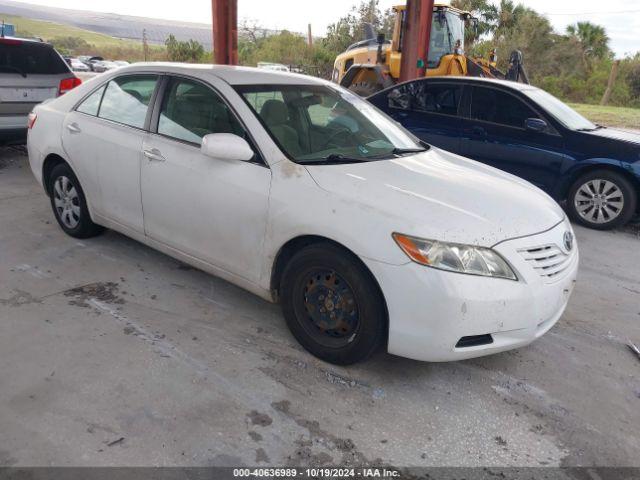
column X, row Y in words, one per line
column 549, row 261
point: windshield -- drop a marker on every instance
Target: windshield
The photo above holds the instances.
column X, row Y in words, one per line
column 316, row 123
column 560, row 110
column 447, row 29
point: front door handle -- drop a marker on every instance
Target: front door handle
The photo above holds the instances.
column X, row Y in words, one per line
column 153, row 155
column 73, row 127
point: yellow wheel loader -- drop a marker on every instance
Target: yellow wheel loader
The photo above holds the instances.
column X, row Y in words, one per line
column 374, row 63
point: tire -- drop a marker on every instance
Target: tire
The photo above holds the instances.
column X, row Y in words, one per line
column 332, row 305
column 69, row 204
column 601, row 200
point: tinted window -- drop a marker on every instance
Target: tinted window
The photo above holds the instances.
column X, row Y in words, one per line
column 191, row 110
column 91, row 104
column 127, row 98
column 426, row 97
column 31, row 58
column 495, row 106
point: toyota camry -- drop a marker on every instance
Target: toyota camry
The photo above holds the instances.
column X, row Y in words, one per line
column 302, row 193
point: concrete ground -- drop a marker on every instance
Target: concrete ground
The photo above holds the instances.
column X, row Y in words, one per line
column 114, row 354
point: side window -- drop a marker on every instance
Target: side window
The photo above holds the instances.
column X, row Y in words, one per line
column 126, row 99
column 495, row 106
column 91, row 104
column 258, row 99
column 434, row 98
column 400, row 98
column 191, row 110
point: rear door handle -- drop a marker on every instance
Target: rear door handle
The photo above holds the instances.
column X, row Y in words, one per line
column 73, row 128
column 477, row 132
column 153, row 155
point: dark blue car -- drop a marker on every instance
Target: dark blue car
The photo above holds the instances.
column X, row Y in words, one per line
column 529, row 133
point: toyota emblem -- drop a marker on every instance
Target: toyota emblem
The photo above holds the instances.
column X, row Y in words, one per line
column 568, row 241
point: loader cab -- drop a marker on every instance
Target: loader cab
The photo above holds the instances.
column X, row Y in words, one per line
column 447, row 32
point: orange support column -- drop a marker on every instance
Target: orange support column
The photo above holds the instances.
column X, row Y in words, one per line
column 415, row 40
column 225, row 31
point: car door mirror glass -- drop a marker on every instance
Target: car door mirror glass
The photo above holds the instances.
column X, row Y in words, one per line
column 226, row 146
column 535, row 124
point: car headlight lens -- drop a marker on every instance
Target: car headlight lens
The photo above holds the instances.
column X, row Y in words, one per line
column 455, row 257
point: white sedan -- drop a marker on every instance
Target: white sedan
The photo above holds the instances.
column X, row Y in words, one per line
column 300, row 192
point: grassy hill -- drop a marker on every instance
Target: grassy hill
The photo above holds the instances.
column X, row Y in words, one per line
column 50, row 30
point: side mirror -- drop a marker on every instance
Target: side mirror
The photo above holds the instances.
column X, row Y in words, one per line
column 535, row 124
column 226, row 146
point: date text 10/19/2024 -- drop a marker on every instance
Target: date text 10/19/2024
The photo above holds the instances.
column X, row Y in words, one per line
column 316, row 472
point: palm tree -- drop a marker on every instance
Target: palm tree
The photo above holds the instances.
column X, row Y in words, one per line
column 509, row 14
column 593, row 39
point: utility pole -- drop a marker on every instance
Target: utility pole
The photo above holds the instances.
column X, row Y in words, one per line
column 309, row 36
column 610, row 83
column 225, row 31
column 145, row 45
column 415, row 42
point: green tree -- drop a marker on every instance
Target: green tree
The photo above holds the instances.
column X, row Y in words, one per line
column 592, row 38
column 180, row 51
column 351, row 27
column 484, row 11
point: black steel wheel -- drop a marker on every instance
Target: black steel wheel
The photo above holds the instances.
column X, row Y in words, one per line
column 332, row 304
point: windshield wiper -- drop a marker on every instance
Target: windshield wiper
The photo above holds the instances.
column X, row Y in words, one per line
column 589, row 129
column 333, row 158
column 404, row 151
column 398, row 152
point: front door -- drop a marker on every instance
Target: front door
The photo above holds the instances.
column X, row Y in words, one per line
column 427, row 109
column 495, row 134
column 213, row 209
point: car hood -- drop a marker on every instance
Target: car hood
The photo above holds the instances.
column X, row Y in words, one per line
column 439, row 195
column 615, row 134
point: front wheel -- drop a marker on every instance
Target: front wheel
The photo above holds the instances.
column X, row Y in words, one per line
column 602, row 200
column 332, row 305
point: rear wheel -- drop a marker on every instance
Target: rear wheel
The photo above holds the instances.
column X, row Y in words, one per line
column 332, row 305
column 69, row 204
column 601, row 200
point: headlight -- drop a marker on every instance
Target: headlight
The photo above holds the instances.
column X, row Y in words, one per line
column 455, row 257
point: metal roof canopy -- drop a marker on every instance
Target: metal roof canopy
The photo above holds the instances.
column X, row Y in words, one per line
column 415, row 42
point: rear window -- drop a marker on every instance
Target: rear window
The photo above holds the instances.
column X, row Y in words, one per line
column 30, row 58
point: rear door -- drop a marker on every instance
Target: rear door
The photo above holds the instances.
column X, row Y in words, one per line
column 30, row 72
column 428, row 109
column 103, row 137
column 494, row 133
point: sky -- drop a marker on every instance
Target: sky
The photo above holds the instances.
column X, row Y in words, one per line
column 621, row 18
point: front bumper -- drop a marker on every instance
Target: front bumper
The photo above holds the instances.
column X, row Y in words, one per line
column 431, row 310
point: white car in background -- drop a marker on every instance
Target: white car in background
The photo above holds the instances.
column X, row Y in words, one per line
column 78, row 66
column 301, row 192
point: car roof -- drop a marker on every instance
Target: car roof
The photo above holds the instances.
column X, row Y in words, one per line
column 27, row 40
column 233, row 75
column 480, row 81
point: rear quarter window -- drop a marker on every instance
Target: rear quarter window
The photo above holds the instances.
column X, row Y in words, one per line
column 31, row 58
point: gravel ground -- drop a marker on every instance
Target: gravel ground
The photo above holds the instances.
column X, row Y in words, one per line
column 114, row 354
